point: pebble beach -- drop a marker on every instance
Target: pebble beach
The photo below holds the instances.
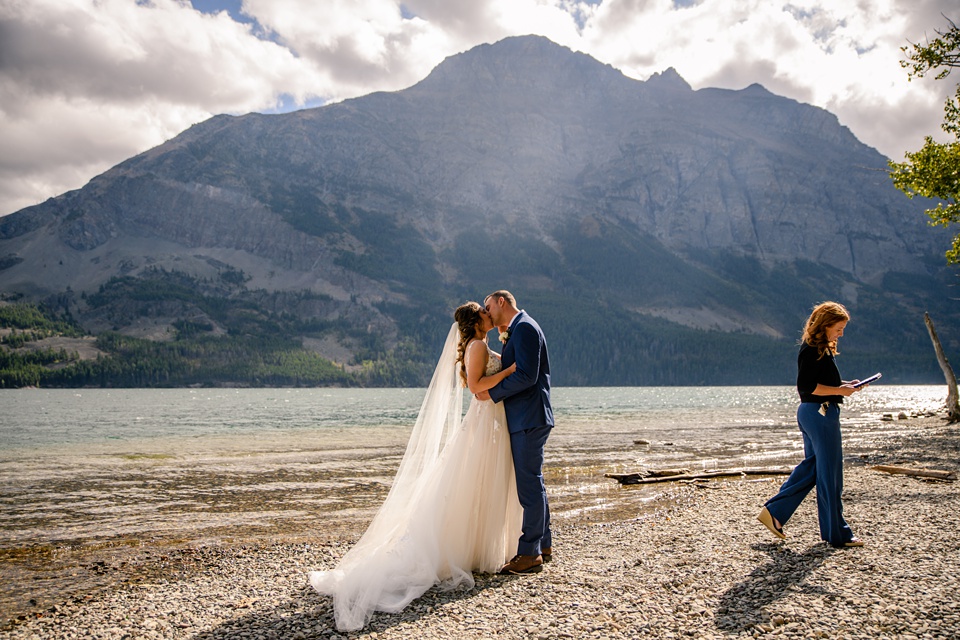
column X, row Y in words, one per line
column 692, row 563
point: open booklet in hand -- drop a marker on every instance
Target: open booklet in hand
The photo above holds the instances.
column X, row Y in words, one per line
column 875, row 376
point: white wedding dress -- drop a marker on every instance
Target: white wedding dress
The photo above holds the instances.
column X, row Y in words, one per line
column 452, row 509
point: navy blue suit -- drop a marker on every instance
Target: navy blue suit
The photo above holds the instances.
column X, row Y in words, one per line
column 526, row 401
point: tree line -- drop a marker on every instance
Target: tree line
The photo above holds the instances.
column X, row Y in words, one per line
column 193, row 357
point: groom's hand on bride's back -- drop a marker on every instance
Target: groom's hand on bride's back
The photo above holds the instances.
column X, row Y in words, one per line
column 483, row 395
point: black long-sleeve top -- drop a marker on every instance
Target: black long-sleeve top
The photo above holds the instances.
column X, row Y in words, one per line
column 813, row 370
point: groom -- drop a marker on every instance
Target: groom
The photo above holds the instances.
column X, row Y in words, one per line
column 526, row 401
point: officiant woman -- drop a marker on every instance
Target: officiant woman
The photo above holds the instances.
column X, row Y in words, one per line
column 821, row 393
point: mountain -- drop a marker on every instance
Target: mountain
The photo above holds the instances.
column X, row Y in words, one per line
column 661, row 235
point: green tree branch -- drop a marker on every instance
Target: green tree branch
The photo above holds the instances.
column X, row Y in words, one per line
column 934, row 170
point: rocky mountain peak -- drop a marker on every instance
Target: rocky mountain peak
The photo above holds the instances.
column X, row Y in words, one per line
column 668, row 79
column 520, row 65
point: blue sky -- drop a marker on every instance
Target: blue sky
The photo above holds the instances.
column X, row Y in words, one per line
column 234, row 10
column 215, row 6
column 86, row 84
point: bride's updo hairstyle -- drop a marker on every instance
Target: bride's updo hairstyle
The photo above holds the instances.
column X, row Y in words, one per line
column 824, row 316
column 467, row 317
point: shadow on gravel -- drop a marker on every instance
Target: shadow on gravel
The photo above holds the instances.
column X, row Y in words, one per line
column 309, row 615
column 743, row 605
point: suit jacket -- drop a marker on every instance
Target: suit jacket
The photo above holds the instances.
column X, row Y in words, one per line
column 526, row 392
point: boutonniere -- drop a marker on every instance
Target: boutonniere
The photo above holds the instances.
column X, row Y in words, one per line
column 504, row 336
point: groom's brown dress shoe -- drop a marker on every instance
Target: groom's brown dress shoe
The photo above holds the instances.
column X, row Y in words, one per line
column 523, row 564
column 547, row 554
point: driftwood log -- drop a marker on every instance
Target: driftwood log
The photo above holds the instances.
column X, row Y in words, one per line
column 671, row 475
column 917, row 473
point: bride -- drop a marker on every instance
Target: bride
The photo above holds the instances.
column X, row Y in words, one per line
column 452, row 508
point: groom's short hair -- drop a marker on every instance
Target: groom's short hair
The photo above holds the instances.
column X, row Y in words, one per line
column 503, row 293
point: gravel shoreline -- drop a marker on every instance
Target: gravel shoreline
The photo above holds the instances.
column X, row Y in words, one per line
column 698, row 564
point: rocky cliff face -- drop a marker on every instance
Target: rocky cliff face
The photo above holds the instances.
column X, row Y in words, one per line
column 520, row 163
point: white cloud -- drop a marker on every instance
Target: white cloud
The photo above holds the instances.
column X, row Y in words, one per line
column 355, row 46
column 85, row 84
column 88, row 84
column 840, row 55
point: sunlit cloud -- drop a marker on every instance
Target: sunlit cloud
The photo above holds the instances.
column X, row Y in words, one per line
column 85, row 84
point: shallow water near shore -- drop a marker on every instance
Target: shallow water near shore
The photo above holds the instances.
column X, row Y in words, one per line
column 85, row 465
column 98, row 473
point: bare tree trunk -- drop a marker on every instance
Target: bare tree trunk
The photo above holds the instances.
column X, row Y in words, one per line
column 953, row 406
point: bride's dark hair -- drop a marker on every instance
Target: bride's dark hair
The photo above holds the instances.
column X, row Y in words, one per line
column 467, row 317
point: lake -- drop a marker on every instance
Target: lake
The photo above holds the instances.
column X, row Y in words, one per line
column 92, row 465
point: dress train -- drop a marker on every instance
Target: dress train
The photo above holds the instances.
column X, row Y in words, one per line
column 452, row 509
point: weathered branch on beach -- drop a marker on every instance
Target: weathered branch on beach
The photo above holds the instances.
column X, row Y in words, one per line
column 953, row 400
column 670, row 475
column 662, row 473
column 918, row 473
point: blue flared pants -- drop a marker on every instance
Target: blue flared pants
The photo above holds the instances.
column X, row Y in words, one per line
column 821, row 468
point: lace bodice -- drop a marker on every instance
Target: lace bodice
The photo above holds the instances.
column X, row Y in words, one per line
column 493, row 362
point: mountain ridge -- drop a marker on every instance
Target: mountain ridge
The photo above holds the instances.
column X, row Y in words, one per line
column 519, row 164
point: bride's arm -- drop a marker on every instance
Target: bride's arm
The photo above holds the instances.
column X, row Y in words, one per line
column 476, row 359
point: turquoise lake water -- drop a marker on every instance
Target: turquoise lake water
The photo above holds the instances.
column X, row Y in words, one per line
column 90, row 466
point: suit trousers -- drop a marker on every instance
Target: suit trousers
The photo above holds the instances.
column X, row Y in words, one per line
column 527, row 447
column 822, row 467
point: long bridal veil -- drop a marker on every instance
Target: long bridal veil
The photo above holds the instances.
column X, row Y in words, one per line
column 452, row 507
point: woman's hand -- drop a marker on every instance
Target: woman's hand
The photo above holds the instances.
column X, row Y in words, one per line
column 846, row 389
column 511, row 369
column 857, row 386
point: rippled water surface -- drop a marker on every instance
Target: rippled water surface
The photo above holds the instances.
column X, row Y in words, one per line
column 82, row 466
